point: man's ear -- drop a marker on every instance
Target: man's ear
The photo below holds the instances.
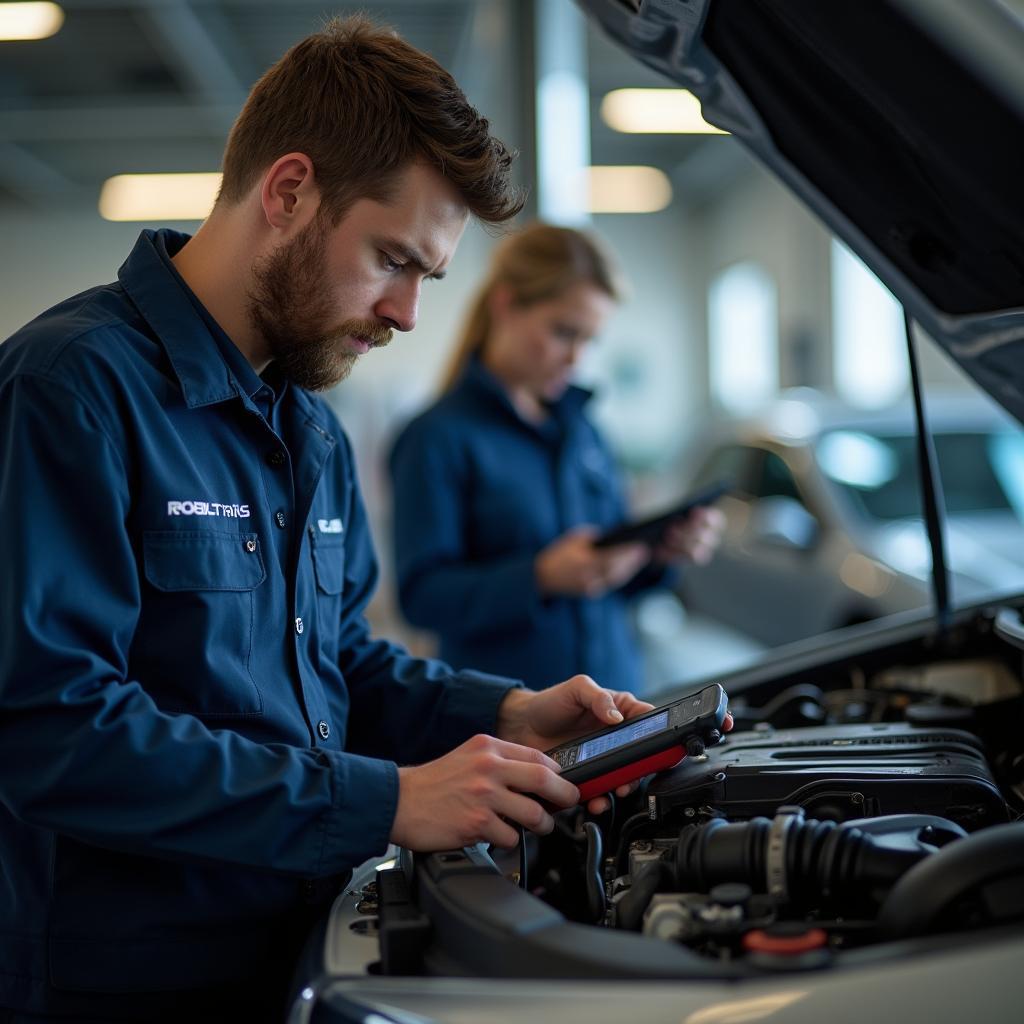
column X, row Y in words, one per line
column 289, row 195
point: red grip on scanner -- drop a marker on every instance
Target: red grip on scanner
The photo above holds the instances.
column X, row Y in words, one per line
column 601, row 784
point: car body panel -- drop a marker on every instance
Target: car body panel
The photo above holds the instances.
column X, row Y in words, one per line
column 941, row 989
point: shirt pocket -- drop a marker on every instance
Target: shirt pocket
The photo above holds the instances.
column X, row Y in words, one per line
column 328, row 554
column 203, row 560
column 193, row 647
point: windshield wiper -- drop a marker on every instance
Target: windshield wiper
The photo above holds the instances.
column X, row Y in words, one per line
column 931, row 489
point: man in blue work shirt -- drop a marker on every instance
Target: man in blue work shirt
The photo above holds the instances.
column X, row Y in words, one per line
column 198, row 736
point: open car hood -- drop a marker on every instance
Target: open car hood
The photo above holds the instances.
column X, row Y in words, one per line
column 900, row 123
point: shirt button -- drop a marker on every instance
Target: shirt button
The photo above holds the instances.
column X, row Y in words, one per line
column 276, row 457
column 324, row 729
column 250, row 545
column 298, row 625
column 280, row 519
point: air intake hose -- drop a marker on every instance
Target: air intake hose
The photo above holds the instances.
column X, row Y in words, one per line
column 802, row 861
column 985, row 869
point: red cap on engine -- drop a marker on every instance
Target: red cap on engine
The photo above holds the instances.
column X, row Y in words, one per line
column 785, row 942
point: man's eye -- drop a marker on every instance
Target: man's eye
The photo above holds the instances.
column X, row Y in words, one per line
column 388, row 263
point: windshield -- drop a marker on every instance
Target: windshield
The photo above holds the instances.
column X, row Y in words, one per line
column 981, row 470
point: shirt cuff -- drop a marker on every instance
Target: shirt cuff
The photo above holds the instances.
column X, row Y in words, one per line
column 364, row 793
column 473, row 701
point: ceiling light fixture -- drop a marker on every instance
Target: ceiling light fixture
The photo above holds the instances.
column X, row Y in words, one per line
column 628, row 189
column 638, row 111
column 20, row 21
column 159, row 196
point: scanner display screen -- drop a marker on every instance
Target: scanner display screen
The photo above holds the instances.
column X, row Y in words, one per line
column 620, row 737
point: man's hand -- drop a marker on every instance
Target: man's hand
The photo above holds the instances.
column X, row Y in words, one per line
column 545, row 718
column 466, row 796
column 572, row 565
column 694, row 538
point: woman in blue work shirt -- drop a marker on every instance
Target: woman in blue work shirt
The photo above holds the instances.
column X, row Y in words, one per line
column 501, row 486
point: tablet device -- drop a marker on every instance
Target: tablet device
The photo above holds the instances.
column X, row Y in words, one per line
column 649, row 531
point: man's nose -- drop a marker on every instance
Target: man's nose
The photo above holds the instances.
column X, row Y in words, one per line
column 573, row 353
column 400, row 305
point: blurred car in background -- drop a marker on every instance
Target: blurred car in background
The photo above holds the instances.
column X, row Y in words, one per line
column 824, row 524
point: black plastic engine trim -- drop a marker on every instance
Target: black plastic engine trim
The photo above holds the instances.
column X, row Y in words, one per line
column 932, row 179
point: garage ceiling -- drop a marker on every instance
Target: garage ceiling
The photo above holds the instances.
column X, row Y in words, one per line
column 154, row 85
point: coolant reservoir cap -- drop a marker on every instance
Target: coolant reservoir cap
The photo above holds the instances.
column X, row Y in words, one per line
column 785, row 939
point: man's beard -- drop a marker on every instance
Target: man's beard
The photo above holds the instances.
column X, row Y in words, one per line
column 290, row 306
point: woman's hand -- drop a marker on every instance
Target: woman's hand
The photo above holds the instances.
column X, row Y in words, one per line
column 572, row 565
column 694, row 538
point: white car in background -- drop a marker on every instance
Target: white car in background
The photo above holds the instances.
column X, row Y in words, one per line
column 824, row 523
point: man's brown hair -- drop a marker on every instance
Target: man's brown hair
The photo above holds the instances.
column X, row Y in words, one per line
column 363, row 104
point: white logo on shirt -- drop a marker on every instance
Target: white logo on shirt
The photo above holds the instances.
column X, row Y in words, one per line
column 329, row 525
column 207, row 508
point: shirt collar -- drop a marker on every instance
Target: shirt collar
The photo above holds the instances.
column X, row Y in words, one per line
column 209, row 366
column 479, row 379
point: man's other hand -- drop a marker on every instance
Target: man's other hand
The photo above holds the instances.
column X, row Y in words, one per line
column 546, row 718
column 472, row 794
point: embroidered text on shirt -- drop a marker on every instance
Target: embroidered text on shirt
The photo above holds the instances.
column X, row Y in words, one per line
column 207, row 508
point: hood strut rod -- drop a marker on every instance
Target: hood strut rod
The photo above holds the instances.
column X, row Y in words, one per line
column 931, row 488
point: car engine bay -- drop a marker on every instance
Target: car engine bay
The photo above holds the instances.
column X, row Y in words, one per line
column 872, row 800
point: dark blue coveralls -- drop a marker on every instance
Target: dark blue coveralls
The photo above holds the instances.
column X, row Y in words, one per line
column 196, row 728
column 478, row 492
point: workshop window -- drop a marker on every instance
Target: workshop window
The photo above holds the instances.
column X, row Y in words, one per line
column 743, row 338
column 870, row 351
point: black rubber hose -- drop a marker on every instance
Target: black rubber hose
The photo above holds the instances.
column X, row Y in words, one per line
column 794, row 695
column 651, row 878
column 721, row 852
column 629, row 826
column 916, row 903
column 595, row 882
column 820, row 858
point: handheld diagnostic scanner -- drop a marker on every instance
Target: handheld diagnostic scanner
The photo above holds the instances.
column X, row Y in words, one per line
column 651, row 742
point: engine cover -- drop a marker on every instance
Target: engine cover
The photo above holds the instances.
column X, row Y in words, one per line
column 837, row 773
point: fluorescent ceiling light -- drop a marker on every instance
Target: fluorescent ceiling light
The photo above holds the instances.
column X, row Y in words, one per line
column 29, row 20
column 159, row 196
column 628, row 189
column 655, row 110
